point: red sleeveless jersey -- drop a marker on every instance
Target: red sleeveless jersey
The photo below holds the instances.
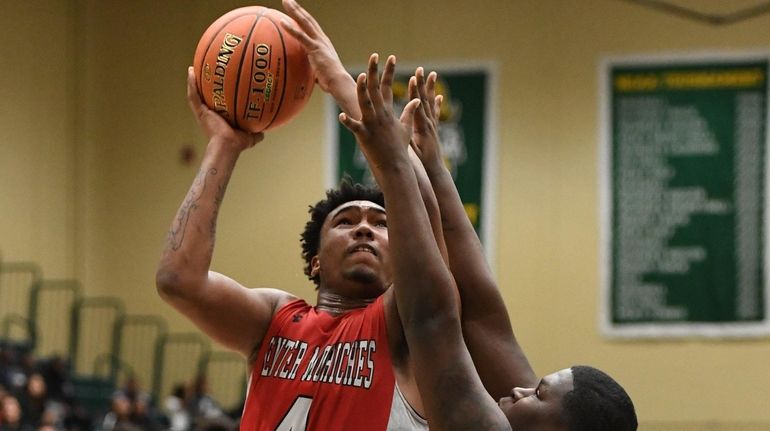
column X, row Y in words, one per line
column 318, row 372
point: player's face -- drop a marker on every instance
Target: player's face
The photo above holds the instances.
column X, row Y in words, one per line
column 539, row 408
column 354, row 246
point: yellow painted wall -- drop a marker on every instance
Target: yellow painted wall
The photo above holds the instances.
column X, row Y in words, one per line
column 107, row 158
column 37, row 141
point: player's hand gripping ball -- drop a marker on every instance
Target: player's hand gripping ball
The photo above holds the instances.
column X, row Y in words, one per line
column 250, row 71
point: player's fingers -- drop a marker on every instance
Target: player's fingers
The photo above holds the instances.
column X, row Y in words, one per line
column 437, row 106
column 193, row 97
column 255, row 138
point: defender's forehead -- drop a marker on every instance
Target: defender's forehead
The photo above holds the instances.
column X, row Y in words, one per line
column 560, row 381
column 363, row 205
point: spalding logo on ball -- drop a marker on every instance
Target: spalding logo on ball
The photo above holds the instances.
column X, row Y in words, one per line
column 252, row 72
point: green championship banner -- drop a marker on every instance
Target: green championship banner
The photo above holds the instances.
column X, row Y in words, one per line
column 465, row 131
column 684, row 221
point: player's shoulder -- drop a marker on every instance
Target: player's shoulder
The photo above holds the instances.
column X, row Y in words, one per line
column 276, row 297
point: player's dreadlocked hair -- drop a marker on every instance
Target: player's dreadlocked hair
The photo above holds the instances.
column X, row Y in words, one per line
column 346, row 192
column 598, row 403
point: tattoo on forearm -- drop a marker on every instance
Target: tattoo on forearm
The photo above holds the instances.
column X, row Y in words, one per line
column 191, row 203
column 217, row 202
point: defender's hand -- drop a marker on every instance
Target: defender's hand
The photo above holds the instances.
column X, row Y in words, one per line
column 383, row 138
column 425, row 140
column 330, row 74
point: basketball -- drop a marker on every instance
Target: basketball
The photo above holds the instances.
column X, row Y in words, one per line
column 252, row 72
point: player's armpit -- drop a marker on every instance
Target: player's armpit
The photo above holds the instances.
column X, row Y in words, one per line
column 233, row 315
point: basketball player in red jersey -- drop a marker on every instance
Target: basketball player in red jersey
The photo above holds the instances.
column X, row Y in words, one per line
column 576, row 399
column 340, row 365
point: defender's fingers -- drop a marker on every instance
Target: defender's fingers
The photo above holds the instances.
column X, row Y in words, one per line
column 386, row 82
column 430, row 82
column 426, row 106
column 412, row 89
column 355, row 126
column 306, row 22
column 419, row 74
column 373, row 82
column 364, row 101
column 407, row 117
column 419, row 115
column 411, row 94
column 437, row 106
column 298, row 34
column 430, row 91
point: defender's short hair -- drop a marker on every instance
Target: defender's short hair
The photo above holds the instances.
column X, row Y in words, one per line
column 347, row 191
column 598, row 403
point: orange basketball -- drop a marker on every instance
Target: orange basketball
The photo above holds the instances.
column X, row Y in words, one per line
column 252, row 72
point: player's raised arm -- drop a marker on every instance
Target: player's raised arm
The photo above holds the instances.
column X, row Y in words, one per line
column 499, row 359
column 452, row 392
column 233, row 315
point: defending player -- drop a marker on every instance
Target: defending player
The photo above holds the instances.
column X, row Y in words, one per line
column 579, row 398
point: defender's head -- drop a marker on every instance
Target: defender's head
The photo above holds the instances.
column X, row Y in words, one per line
column 580, row 398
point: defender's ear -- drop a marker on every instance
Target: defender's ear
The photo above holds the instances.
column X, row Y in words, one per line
column 315, row 266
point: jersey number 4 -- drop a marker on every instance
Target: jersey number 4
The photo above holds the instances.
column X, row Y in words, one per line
column 296, row 418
